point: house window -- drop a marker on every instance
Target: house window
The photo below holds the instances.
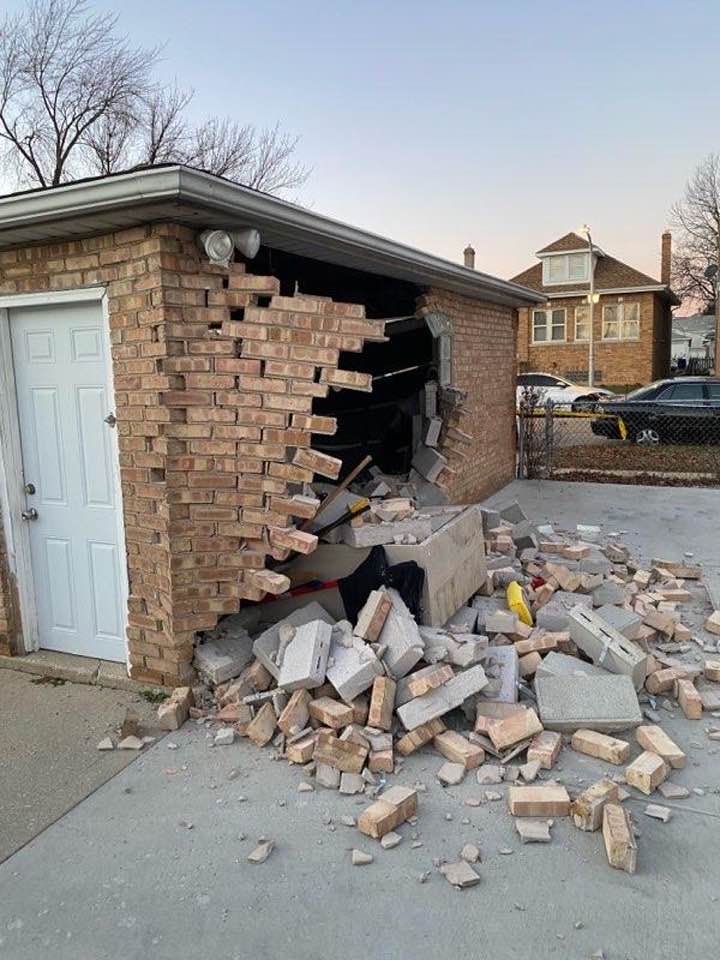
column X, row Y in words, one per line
column 582, row 323
column 621, row 321
column 565, row 268
column 548, row 325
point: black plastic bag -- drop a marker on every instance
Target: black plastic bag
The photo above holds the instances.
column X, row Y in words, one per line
column 407, row 578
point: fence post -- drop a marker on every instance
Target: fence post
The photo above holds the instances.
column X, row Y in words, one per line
column 548, row 437
column 521, row 471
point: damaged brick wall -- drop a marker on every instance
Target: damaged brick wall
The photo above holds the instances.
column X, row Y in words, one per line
column 214, row 396
column 483, row 364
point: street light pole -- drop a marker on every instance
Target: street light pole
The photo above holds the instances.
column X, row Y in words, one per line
column 717, row 314
column 591, row 298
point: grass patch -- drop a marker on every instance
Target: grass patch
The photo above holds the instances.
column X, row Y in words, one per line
column 153, row 696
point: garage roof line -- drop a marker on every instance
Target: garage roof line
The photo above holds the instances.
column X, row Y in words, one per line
column 201, row 200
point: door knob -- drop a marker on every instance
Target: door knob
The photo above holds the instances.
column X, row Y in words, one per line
column 30, row 514
column 110, row 419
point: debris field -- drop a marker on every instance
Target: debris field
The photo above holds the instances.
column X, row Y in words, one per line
column 565, row 643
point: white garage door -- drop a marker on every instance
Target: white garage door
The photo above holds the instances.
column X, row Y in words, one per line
column 70, row 469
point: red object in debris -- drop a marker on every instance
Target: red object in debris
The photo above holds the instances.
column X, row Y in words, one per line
column 537, row 582
column 312, row 587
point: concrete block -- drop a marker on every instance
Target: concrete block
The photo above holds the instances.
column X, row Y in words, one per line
column 401, row 638
column 352, row 670
column 379, row 534
column 555, row 614
column 453, row 559
column 265, row 646
column 490, row 520
column 225, row 657
column 432, row 434
column 452, row 694
column 609, row 592
column 305, row 659
column 624, row 621
column 513, row 513
column 557, row 664
column 502, row 668
column 501, row 621
column 570, row 703
column 588, row 533
column 463, row 620
column 429, row 463
column 606, row 646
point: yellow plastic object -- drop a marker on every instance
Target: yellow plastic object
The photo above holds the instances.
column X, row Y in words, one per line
column 622, row 428
column 516, row 602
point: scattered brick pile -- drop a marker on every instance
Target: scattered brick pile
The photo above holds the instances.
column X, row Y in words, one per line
column 566, row 643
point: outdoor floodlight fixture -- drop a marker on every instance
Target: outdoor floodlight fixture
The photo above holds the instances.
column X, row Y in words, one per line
column 247, row 241
column 218, row 245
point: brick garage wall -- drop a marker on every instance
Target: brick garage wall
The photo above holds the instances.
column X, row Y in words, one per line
column 9, row 621
column 620, row 363
column 483, row 363
column 214, row 414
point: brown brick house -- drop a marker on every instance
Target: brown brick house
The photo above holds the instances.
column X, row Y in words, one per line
column 164, row 399
column 631, row 319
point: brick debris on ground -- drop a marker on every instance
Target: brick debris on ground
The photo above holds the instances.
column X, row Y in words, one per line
column 568, row 643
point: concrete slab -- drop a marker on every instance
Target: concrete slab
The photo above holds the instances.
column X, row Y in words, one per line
column 556, row 664
column 49, row 759
column 453, row 559
column 554, row 616
column 605, row 704
column 113, row 853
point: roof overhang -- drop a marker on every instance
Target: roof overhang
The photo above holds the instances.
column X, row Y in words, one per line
column 544, row 254
column 201, row 200
column 654, row 288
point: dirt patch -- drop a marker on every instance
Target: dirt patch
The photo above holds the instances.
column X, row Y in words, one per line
column 666, row 465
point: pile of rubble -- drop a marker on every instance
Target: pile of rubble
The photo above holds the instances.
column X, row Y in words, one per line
column 565, row 641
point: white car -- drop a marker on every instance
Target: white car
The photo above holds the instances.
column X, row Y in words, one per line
column 550, row 387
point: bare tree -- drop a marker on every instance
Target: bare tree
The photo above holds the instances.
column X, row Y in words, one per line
column 696, row 218
column 61, row 72
column 77, row 99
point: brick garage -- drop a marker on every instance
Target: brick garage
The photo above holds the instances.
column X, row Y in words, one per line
column 216, row 371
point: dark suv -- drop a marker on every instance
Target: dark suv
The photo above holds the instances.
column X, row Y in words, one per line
column 684, row 410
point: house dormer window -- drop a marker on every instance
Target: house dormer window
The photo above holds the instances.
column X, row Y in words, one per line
column 566, row 268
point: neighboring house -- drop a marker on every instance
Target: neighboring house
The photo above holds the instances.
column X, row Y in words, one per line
column 161, row 409
column 631, row 322
column 693, row 337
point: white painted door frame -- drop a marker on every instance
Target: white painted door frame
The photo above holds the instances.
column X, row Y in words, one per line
column 12, row 497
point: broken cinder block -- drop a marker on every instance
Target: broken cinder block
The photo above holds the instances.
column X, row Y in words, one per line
column 305, row 658
column 606, row 646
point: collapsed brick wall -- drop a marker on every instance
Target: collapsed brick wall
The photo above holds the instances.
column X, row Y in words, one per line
column 483, row 367
column 214, row 417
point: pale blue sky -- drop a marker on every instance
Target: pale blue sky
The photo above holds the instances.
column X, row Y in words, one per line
column 503, row 124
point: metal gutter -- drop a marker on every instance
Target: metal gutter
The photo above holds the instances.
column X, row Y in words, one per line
column 182, row 187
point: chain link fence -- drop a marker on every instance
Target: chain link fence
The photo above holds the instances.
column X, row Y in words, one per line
column 656, row 443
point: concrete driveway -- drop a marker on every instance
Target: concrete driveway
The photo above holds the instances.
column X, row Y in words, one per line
column 153, row 863
column 49, row 761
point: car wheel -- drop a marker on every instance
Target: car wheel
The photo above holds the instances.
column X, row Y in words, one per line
column 648, row 436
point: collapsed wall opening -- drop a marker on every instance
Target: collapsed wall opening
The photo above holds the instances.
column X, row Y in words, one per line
column 387, row 422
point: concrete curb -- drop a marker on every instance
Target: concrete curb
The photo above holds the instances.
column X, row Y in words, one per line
column 67, row 666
